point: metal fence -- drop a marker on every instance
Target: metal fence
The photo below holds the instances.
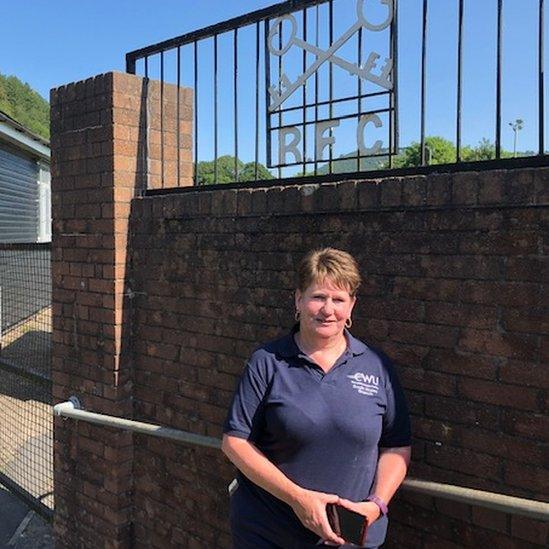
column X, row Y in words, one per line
column 26, row 429
column 318, row 87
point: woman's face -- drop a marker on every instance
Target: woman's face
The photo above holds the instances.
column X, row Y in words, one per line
column 323, row 308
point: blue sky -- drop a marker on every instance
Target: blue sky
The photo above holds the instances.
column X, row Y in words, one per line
column 48, row 43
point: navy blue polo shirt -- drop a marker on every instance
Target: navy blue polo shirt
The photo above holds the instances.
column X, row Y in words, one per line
column 322, row 430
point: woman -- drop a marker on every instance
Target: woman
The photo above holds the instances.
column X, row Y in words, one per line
column 318, row 417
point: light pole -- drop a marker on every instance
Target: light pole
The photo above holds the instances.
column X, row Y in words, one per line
column 517, row 125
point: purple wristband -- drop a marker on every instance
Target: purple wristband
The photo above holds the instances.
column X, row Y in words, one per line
column 379, row 502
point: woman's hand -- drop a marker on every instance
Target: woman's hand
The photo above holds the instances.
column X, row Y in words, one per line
column 367, row 508
column 310, row 508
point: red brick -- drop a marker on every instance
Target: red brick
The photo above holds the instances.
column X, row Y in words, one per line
column 512, row 396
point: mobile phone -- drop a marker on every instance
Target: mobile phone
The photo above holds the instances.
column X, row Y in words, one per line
column 351, row 526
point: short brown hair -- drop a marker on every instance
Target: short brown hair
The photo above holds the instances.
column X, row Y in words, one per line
column 329, row 263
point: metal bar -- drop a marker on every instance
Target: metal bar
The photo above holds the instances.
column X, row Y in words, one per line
column 317, row 43
column 304, row 106
column 423, row 80
column 215, row 109
column 256, row 165
column 72, row 410
column 267, row 86
column 147, row 67
column 342, row 117
column 508, row 504
column 391, row 105
column 162, row 117
column 453, row 167
column 331, row 81
column 32, row 501
column 178, row 137
column 394, row 31
column 219, row 28
column 335, row 160
column 541, row 78
column 498, row 78
column 279, row 87
column 130, row 63
column 195, row 49
column 359, row 91
column 338, row 100
column 499, row 502
column 235, row 94
column 459, row 81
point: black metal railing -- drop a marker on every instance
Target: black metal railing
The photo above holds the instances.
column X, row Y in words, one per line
column 270, row 75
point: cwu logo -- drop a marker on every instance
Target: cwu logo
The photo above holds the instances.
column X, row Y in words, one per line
column 365, row 384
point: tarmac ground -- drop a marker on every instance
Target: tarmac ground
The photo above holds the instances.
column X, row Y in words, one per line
column 20, row 527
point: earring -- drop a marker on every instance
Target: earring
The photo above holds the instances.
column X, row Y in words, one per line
column 348, row 323
column 297, row 315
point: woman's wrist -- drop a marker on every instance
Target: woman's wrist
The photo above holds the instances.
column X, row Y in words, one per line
column 379, row 502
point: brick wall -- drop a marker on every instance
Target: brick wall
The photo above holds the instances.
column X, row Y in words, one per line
column 158, row 301
column 105, row 148
column 453, row 291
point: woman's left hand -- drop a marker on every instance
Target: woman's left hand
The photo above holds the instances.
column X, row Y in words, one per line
column 367, row 508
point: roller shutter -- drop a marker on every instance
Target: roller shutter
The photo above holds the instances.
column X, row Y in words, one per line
column 19, row 208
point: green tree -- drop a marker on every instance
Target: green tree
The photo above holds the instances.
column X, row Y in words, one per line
column 438, row 151
column 226, row 171
column 19, row 101
column 485, row 150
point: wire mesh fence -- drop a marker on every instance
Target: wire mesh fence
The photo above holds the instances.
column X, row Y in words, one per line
column 26, row 430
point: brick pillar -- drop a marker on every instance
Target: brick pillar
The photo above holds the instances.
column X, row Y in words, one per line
column 107, row 143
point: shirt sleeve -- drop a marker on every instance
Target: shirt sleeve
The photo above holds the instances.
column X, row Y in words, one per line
column 246, row 411
column 396, row 430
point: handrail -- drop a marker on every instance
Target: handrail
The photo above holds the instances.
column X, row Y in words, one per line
column 73, row 409
column 500, row 502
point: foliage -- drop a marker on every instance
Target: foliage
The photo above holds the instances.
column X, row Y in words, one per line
column 19, row 101
column 443, row 151
column 439, row 151
column 226, row 171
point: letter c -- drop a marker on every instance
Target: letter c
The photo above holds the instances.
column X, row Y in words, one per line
column 376, row 121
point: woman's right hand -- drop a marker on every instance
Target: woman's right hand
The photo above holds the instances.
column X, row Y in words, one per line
column 310, row 508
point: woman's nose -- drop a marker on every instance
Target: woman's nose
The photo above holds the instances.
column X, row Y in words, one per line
column 328, row 307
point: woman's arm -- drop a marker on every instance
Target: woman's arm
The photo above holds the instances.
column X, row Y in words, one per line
column 392, row 465
column 309, row 506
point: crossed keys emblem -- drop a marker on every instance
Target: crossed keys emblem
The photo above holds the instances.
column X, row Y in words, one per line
column 285, row 88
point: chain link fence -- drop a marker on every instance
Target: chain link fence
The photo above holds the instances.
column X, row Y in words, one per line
column 26, row 428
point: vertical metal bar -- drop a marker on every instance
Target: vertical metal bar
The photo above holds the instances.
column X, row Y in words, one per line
column 317, row 41
column 423, row 79
column 130, row 64
column 267, row 95
column 195, row 48
column 162, row 117
column 256, row 165
column 359, row 60
column 391, row 98
column 459, row 81
column 215, row 110
column 146, row 66
column 304, row 94
column 498, row 77
column 541, row 78
column 279, row 91
column 177, row 110
column 235, row 93
column 396, row 127
column 331, row 78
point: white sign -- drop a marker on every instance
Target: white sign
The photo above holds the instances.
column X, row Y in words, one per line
column 372, row 70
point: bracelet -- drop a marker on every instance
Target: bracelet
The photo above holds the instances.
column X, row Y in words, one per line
column 379, row 502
